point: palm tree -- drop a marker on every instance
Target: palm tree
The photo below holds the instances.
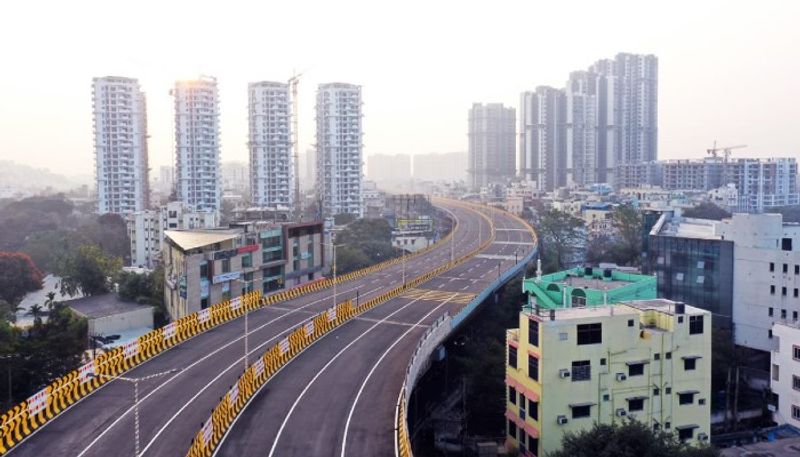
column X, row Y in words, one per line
column 36, row 311
column 51, row 300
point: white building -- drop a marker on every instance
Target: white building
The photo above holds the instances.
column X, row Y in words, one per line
column 339, row 155
column 270, row 142
column 120, row 145
column 491, row 149
column 197, row 171
column 146, row 229
column 785, row 378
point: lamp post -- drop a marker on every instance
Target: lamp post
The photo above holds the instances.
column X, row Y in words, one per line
column 246, row 324
column 403, row 261
column 135, row 382
column 334, row 246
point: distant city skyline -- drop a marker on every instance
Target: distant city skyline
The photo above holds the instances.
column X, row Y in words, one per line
column 732, row 82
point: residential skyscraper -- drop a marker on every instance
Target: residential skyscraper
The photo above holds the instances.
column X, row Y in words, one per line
column 542, row 137
column 270, row 142
column 491, row 144
column 120, row 145
column 197, row 171
column 339, row 157
column 599, row 129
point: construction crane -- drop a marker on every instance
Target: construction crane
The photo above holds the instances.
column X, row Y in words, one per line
column 726, row 150
column 726, row 154
column 293, row 82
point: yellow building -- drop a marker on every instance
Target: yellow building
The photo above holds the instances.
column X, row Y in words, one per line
column 568, row 368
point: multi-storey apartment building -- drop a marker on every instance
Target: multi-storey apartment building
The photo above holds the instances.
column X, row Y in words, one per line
column 339, row 157
column 197, row 171
column 270, row 142
column 595, row 129
column 204, row 267
column 568, row 368
column 760, row 183
column 542, row 139
column 146, row 229
column 491, row 144
column 785, row 376
column 120, row 145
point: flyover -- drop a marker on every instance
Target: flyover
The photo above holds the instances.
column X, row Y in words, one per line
column 341, row 391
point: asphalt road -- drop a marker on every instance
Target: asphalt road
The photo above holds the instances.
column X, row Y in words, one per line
column 338, row 397
column 172, row 407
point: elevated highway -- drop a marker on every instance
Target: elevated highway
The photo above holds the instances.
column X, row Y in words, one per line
column 337, row 397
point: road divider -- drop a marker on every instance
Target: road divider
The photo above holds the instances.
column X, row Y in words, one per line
column 212, row 431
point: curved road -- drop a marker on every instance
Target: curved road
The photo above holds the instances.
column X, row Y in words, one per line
column 338, row 397
column 172, row 407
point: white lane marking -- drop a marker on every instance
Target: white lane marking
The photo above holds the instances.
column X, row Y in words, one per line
column 186, row 370
column 372, row 371
column 465, row 287
column 324, row 368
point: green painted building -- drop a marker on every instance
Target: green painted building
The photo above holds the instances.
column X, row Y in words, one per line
column 588, row 287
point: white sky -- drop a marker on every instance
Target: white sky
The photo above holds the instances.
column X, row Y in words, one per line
column 728, row 70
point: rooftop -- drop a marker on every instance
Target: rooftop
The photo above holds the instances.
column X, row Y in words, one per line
column 103, row 305
column 589, row 287
column 661, row 305
column 193, row 239
column 686, row 227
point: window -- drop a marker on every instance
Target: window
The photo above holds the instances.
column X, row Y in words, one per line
column 512, row 395
column 581, row 370
column 769, row 312
column 772, row 290
column 512, row 429
column 783, row 314
column 783, row 291
column 689, row 363
column 795, row 412
column 656, row 391
column 795, row 292
column 635, row 369
column 635, row 404
column 701, row 401
column 667, row 425
column 771, row 266
column 695, row 325
column 533, row 367
column 533, row 444
column 668, row 355
column 786, row 244
column 785, row 268
column 657, row 356
column 630, row 322
column 686, row 398
column 533, row 409
column 795, row 382
column 247, row 260
column 512, row 356
column 685, row 434
column 590, row 334
column 204, row 270
column 794, row 315
column 533, row 332
column 204, row 303
column 603, row 361
column 796, row 352
column 579, row 411
column 226, row 265
column 797, row 269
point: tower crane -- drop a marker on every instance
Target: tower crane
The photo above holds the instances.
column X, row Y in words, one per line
column 726, row 154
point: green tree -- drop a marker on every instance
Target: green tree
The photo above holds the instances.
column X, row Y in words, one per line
column 707, row 210
column 87, row 270
column 350, row 258
column 110, row 232
column 561, row 235
column 145, row 289
column 48, row 247
column 627, row 224
column 18, row 276
column 628, row 438
column 21, row 219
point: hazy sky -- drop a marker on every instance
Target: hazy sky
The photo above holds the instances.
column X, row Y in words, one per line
column 728, row 70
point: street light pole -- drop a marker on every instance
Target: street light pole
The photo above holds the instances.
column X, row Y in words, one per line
column 246, row 325
column 135, row 382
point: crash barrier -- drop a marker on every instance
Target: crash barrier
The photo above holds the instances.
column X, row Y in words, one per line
column 23, row 419
column 43, row 406
column 436, row 334
column 206, row 440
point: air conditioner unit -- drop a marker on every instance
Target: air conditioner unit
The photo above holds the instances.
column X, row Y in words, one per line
column 621, row 412
column 563, row 373
column 621, row 377
column 702, row 436
column 561, row 420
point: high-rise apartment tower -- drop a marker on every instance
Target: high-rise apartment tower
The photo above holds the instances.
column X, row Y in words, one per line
column 491, row 144
column 120, row 145
column 270, row 142
column 197, row 171
column 339, row 154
